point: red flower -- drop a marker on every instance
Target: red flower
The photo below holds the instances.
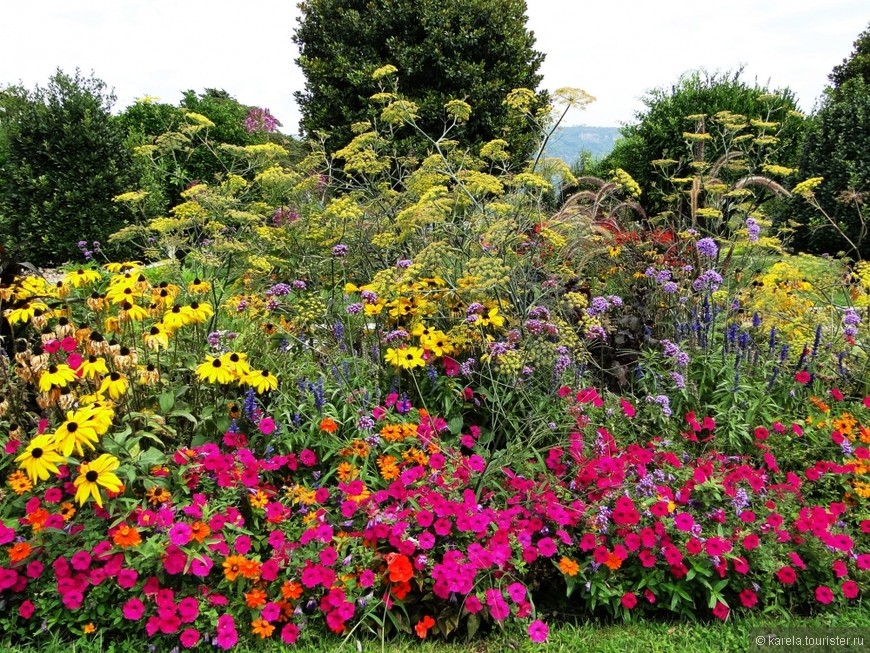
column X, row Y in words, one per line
column 423, row 626
column 803, row 377
column 629, row 600
column 850, row 589
column 761, row 433
column 748, row 598
column 787, row 576
column 721, row 611
column 824, row 594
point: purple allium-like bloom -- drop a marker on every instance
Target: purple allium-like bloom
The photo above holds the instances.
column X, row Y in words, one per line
column 753, row 229
column 707, row 247
column 709, row 280
column 354, row 309
column 597, row 306
column 670, row 287
column 365, row 423
column 298, row 284
column 340, row 250
column 369, row 297
column 679, row 381
column 403, row 263
column 279, row 290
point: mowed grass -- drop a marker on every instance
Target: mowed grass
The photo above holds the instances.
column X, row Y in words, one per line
column 643, row 637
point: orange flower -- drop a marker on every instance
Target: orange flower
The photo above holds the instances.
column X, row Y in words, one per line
column 347, row 472
column 157, row 495
column 568, row 567
column 199, row 531
column 423, row 626
column 250, row 569
column 613, row 561
column 328, row 425
column 126, row 535
column 233, row 567
column 388, row 467
column 88, row 628
column 36, row 519
column 291, row 590
column 255, row 598
column 259, row 499
column 399, row 567
column 67, row 510
column 18, row 551
column 262, row 628
column 400, row 590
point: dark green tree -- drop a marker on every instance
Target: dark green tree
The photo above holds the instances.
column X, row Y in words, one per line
column 658, row 132
column 64, row 160
column 837, row 150
column 472, row 50
column 856, row 64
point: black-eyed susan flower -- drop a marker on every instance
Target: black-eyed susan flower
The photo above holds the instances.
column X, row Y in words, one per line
column 438, row 343
column 214, row 371
column 25, row 313
column 125, row 358
column 75, row 432
column 122, row 292
column 115, row 267
column 97, row 301
column 165, row 294
column 40, row 458
column 93, row 367
column 237, row 363
column 116, row 384
column 197, row 312
column 94, row 475
column 198, row 286
column 156, row 338
column 175, row 318
column 261, row 380
column 56, row 375
column 82, row 277
column 405, row 358
column 132, row 312
column 149, row 375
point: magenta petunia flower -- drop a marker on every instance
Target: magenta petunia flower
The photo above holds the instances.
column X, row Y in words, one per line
column 189, row 638
column 133, row 609
column 180, row 533
column 824, row 594
column 538, row 631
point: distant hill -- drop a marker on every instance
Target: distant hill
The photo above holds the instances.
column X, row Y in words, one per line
column 568, row 142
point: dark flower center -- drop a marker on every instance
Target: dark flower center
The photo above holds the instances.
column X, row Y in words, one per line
column 155, row 331
column 115, row 376
column 92, row 476
column 36, row 453
column 72, row 427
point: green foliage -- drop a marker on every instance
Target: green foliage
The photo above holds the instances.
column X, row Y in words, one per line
column 659, row 130
column 857, row 65
column 837, row 149
column 64, row 159
column 475, row 50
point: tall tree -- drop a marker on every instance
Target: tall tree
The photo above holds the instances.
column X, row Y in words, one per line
column 856, row 64
column 472, row 50
column 659, row 131
column 838, row 150
column 64, row 160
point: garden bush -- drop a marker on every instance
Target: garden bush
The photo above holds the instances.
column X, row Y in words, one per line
column 412, row 399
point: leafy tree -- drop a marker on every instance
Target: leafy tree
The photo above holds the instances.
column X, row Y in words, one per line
column 659, row 132
column 64, row 160
column 837, row 150
column 472, row 50
column 856, row 65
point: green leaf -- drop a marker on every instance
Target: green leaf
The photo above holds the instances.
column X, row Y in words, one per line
column 167, row 402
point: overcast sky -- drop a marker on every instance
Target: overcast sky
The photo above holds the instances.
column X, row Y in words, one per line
column 614, row 49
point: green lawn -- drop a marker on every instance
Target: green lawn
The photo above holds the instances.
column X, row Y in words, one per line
column 644, row 637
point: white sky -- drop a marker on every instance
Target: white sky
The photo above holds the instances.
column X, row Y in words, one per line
column 614, row 49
